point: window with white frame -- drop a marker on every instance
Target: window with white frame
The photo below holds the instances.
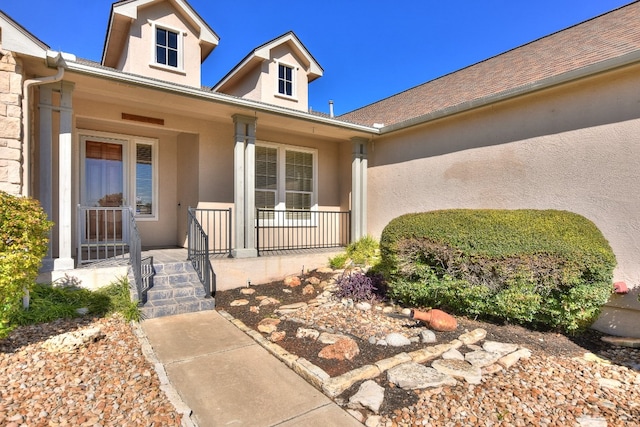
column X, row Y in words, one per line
column 286, row 75
column 168, row 47
column 120, row 171
column 285, row 180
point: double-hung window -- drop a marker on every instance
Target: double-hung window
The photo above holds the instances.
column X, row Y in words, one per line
column 285, row 181
column 285, row 80
column 168, row 47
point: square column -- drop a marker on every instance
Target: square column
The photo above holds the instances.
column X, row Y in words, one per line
column 358, row 188
column 244, row 155
column 45, row 167
column 65, row 167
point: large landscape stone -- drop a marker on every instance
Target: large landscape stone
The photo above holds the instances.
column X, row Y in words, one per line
column 458, row 369
column 413, row 375
column 370, row 395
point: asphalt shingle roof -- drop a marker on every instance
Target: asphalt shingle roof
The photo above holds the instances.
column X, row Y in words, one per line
column 607, row 36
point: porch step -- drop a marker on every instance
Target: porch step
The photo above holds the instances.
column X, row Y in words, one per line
column 176, row 290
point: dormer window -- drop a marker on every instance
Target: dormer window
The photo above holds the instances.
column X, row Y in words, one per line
column 285, row 80
column 168, row 47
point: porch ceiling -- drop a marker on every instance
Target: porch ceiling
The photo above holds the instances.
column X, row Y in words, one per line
column 160, row 103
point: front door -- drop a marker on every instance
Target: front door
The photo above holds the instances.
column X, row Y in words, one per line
column 104, row 177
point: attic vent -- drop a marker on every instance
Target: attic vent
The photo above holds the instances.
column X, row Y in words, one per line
column 143, row 119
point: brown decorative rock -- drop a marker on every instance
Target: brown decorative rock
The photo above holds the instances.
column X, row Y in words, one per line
column 239, row 302
column 268, row 325
column 277, row 336
column 292, row 281
column 308, row 290
column 345, row 348
column 313, row 280
column 247, row 291
column 268, row 301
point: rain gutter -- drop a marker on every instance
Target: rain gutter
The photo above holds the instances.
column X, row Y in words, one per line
column 58, row 59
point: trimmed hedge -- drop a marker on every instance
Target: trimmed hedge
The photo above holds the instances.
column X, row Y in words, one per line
column 23, row 243
column 544, row 268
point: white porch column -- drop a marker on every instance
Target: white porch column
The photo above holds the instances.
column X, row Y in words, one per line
column 46, row 163
column 65, row 158
column 358, row 188
column 244, row 187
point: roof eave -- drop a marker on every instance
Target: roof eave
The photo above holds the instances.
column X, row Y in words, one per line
column 213, row 96
column 590, row 70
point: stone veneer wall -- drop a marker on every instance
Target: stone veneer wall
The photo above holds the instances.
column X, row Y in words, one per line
column 10, row 124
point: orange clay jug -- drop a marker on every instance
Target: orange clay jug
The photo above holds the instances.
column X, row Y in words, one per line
column 436, row 319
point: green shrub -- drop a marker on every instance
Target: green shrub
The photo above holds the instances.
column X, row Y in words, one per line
column 543, row 268
column 23, row 243
column 362, row 252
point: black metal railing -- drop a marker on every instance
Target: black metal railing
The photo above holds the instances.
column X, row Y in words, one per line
column 301, row 229
column 216, row 223
column 142, row 268
column 198, row 253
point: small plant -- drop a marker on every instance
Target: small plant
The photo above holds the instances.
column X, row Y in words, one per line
column 358, row 287
column 64, row 300
column 363, row 252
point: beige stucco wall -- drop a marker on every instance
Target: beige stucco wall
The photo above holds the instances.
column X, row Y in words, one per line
column 572, row 148
column 10, row 123
column 139, row 51
column 300, row 99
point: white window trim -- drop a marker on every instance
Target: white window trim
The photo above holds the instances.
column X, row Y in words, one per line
column 294, row 81
column 129, row 159
column 181, row 35
column 282, row 190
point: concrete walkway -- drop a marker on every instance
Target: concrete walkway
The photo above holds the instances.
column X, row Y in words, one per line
column 227, row 379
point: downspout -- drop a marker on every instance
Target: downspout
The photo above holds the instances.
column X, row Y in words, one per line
column 26, row 147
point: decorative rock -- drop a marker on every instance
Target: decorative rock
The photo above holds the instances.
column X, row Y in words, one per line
column 364, row 306
column 428, row 336
column 458, row 369
column 324, row 270
column 336, row 385
column 373, row 421
column 327, row 338
column 254, row 309
column 308, row 290
column 268, row 301
column 481, row 358
column 473, row 336
column 396, row 339
column 313, row 280
column 453, row 354
column 491, row 369
column 277, row 336
column 406, row 312
column 609, row 383
column 622, row 341
column 370, row 395
column 268, row 325
column 239, row 302
column 307, row 333
column 586, row 421
column 345, row 348
column 411, row 376
column 511, row 359
column 71, row 341
column 292, row 281
column 498, row 347
column 247, row 291
column 82, row 311
column 288, row 308
column 390, row 362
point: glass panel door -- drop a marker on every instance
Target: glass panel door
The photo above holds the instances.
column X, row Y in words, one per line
column 104, row 189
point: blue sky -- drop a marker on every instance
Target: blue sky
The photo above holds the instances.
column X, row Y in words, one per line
column 369, row 49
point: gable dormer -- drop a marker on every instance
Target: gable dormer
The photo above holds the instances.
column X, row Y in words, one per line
column 278, row 72
column 161, row 39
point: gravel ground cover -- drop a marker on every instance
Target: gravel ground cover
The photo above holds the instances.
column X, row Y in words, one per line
column 107, row 383
column 568, row 381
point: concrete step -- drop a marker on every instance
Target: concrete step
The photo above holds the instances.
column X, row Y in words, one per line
column 176, row 289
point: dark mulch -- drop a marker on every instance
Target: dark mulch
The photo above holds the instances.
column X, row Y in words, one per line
column 546, row 342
